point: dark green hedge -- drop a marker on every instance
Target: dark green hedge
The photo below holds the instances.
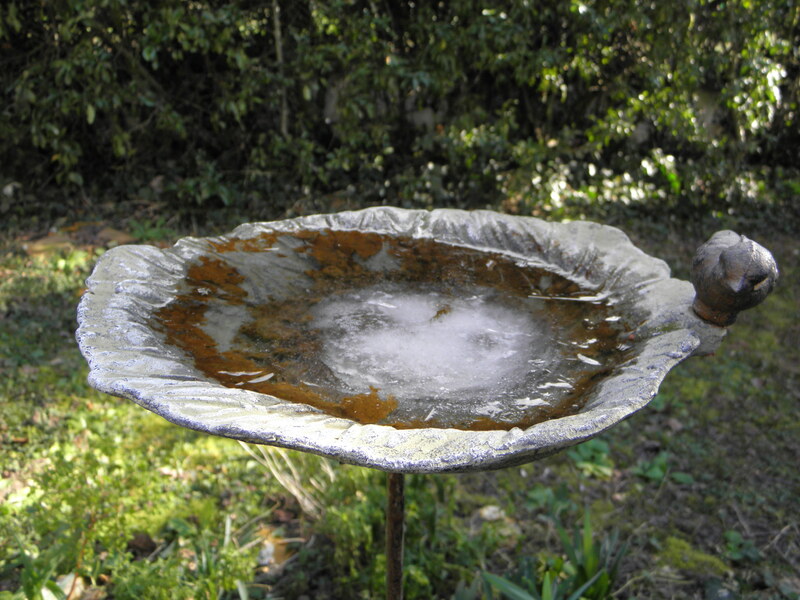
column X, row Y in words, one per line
column 690, row 105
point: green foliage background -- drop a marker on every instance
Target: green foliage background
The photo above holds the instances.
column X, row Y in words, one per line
column 689, row 106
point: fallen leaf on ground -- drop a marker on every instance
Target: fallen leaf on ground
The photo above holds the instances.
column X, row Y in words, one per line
column 109, row 235
column 53, row 242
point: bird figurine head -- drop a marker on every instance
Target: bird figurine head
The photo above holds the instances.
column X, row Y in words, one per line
column 731, row 273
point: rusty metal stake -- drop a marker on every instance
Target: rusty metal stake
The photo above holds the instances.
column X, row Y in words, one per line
column 395, row 526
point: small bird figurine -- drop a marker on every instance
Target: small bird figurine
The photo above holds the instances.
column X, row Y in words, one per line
column 731, row 273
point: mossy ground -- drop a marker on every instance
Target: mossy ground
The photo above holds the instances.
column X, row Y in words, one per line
column 703, row 483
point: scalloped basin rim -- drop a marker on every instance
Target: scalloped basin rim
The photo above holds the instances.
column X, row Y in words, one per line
column 128, row 358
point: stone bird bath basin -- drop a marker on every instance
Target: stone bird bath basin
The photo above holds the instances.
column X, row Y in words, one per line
column 406, row 341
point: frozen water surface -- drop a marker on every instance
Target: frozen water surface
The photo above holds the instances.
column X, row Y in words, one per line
column 441, row 357
column 409, row 333
column 427, row 346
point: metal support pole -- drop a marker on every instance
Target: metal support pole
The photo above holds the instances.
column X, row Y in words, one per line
column 395, row 526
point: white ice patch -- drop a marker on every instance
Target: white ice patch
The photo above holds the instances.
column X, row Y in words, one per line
column 263, row 378
column 588, row 361
column 239, row 373
column 490, row 409
column 555, row 384
column 426, row 345
column 529, row 402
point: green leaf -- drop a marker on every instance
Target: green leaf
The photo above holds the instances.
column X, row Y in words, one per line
column 683, row 478
column 181, row 526
column 508, row 589
column 149, row 53
column 569, row 547
column 587, row 535
column 90, row 113
column 52, row 586
column 547, row 587
column 13, row 17
column 577, row 594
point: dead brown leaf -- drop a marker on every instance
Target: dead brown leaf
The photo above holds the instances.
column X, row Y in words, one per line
column 51, row 243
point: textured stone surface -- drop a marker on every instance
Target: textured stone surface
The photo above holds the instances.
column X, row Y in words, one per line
column 127, row 358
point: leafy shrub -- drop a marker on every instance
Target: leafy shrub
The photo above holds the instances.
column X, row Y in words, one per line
column 692, row 107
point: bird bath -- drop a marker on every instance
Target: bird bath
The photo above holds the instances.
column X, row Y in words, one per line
column 407, row 341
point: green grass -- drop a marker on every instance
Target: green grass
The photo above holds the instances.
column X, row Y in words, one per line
column 702, row 485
